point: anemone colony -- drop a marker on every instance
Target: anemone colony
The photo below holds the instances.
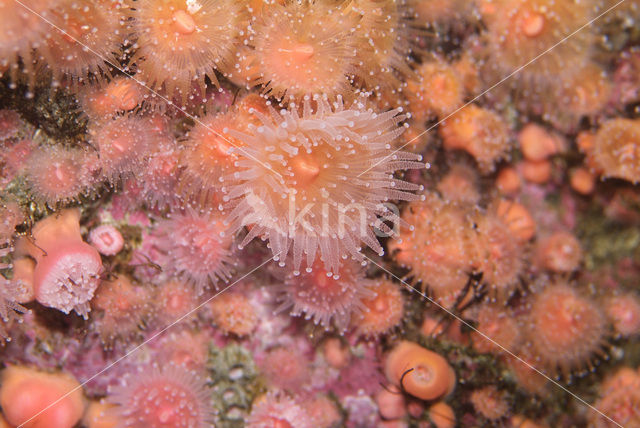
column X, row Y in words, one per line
column 319, row 213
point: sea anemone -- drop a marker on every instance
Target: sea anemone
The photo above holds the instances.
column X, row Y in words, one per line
column 386, row 39
column 194, row 247
column 325, row 296
column 500, row 325
column 500, row 256
column 564, row 328
column 438, row 92
column 276, row 409
column 59, row 175
column 121, row 94
column 480, row 132
column 124, row 144
column 119, row 309
column 537, row 172
column 391, row 404
column 559, row 252
column 170, row 396
column 586, row 93
column 159, row 178
column 442, row 415
column 10, row 309
column 92, row 35
column 624, row 312
column 519, row 31
column 517, row 218
column 185, row 347
column 336, row 352
column 174, row 299
column 207, row 159
column 438, row 247
column 181, row 42
column 323, row 411
column 508, row 181
column 106, row 239
column 21, row 30
column 319, row 181
column 460, row 185
column 233, row 313
column 582, row 181
column 10, row 121
column 68, row 269
column 489, row 402
column 383, row 312
column 13, row 158
column 284, row 369
column 304, row 48
column 418, row 371
column 537, row 143
column 620, row 401
column 616, row 149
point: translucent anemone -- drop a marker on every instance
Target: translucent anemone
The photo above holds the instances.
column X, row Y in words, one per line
column 320, row 181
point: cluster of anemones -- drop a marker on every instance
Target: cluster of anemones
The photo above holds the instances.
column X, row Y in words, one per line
column 448, row 241
column 459, row 252
column 169, row 396
column 546, row 48
column 321, row 145
column 286, row 184
column 175, row 46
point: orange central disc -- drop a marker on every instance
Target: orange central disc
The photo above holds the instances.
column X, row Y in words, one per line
column 73, row 32
column 183, row 22
column 533, row 24
column 302, row 52
column 380, row 304
column 305, row 170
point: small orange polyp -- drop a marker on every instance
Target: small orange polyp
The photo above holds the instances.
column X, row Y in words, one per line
column 183, row 22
